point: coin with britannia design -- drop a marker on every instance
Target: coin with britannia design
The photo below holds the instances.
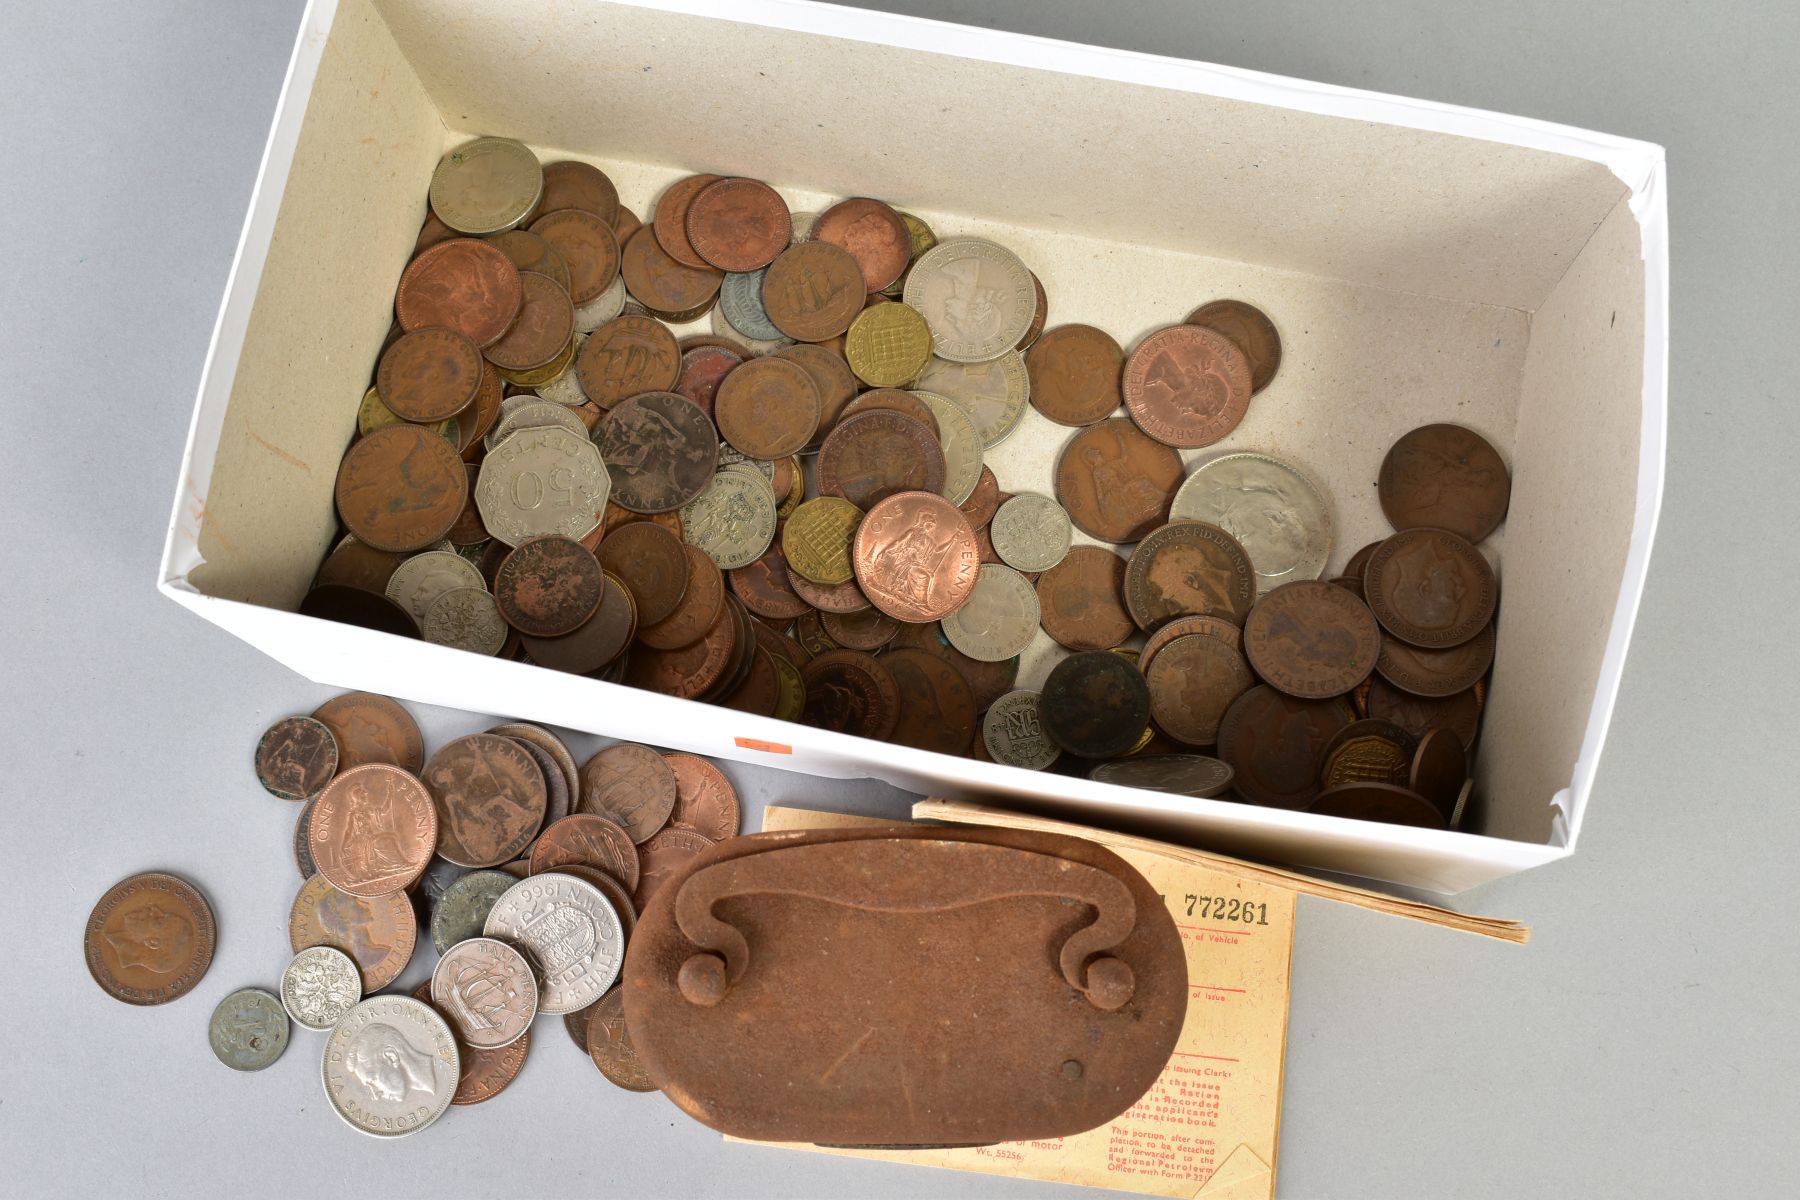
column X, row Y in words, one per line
column 487, row 990
column 248, row 1030
column 391, row 1066
column 568, row 932
column 319, row 986
column 1271, row 507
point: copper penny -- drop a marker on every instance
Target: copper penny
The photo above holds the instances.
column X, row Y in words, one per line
column 701, row 603
column 485, row 1072
column 1436, row 672
column 895, row 400
column 1035, row 330
column 1192, row 682
column 1350, row 583
column 1360, row 560
column 1378, row 802
column 540, row 335
column 359, row 565
column 626, row 225
column 983, row 502
column 480, row 418
column 469, row 529
column 937, row 705
column 768, row 408
column 867, row 630
column 915, row 557
column 1075, row 373
column 703, row 368
column 760, row 689
column 617, row 516
column 740, row 663
column 662, row 283
column 1419, row 715
column 874, row 235
column 1273, row 743
column 688, row 671
column 1444, row 477
column 663, row 855
column 844, row 598
column 571, row 184
column 626, row 356
column 588, row 248
column 631, row 786
column 1211, row 626
column 764, row 588
column 738, row 224
column 296, row 757
column 652, row 563
column 377, row 932
column 669, row 220
column 1439, row 769
column 150, row 939
column 1311, row 640
column 705, row 801
column 660, row 451
column 1188, row 567
column 490, row 798
column 1081, row 600
column 373, row 830
column 529, row 252
column 873, row 455
column 1186, row 385
column 813, row 291
column 831, row 375
column 590, row 841
column 401, row 488
column 1430, row 588
column 464, row 284
column 548, row 586
column 809, row 631
column 1250, row 330
column 597, row 642
column 1115, row 482
column 429, row 374
column 354, row 606
column 849, row 692
column 609, row 1043
column 1094, row 704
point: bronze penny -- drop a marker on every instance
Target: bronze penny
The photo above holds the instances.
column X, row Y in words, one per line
column 764, row 588
column 688, row 671
column 705, row 801
column 663, row 855
column 1094, row 704
column 1211, row 626
column 1367, row 751
column 529, row 252
column 831, row 375
column 873, row 455
column 1350, row 583
column 150, row 939
column 577, row 1025
column 703, row 368
column 760, row 689
column 484, row 1072
column 915, row 557
column 625, row 357
column 983, row 502
column 1360, row 560
column 469, row 529
column 1081, row 600
column 1378, row 802
column 652, row 563
column 660, row 451
column 849, row 692
column 429, row 374
column 1075, row 373
column 988, row 681
column 874, row 235
column 1419, row 715
column 540, row 335
column 571, row 184
column 1186, row 385
column 480, row 418
column 302, row 846
column 701, row 603
column 617, row 516
column 1439, row 769
column 768, row 408
column 844, row 598
column 1436, row 672
column 1041, row 314
column 597, row 642
column 490, row 798
column 669, row 220
column 1444, row 477
column 548, row 586
column 1430, row 588
column 1274, row 742
column 895, row 400
column 373, row 830
column 626, row 225
column 813, row 291
column 464, row 284
column 296, row 757
column 354, row 606
column 631, row 786
column 589, row 841
column 665, row 285
column 1192, row 682
column 401, row 488
column 1250, row 330
column 1115, row 482
column 588, row 248
column 741, row 662
column 1311, row 640
column 377, row 932
column 558, row 794
column 937, row 705
column 738, row 224
column 867, row 630
column 609, row 1039
column 359, row 565
column 1188, row 567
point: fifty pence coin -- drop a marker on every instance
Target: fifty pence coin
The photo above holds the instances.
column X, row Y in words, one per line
column 391, row 1066
column 1272, row 508
column 320, row 986
column 1015, row 736
column 571, row 935
column 248, row 1030
column 540, row 481
column 487, row 990
column 1031, row 532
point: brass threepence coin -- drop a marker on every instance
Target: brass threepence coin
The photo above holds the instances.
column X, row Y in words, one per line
column 1367, row 751
column 296, row 757
column 549, row 586
column 585, row 242
column 1445, row 477
column 1192, row 683
column 738, row 224
column 652, row 563
column 1095, row 704
column 486, row 185
column 429, row 374
column 1075, row 374
column 401, row 488
column 149, row 939
column 490, row 797
column 768, row 408
column 816, row 540
column 888, row 345
column 1430, row 588
column 915, row 557
column 631, row 786
column 373, row 830
column 1250, row 330
column 1116, row 483
column 1187, row 386
column 627, row 356
column 577, row 185
column 660, row 451
column 465, row 284
column 1312, row 640
column 1274, row 742
column 813, row 291
column 1188, row 567
column 377, row 932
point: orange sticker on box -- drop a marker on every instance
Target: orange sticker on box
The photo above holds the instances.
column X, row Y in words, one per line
column 765, row 747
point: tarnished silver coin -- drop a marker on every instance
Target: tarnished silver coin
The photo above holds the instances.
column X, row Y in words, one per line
column 994, row 393
column 320, row 985
column 740, row 298
column 540, row 482
column 722, row 327
column 1462, row 803
column 486, row 185
column 466, row 618
column 802, row 226
column 391, row 1066
column 565, row 389
column 487, row 990
column 424, row 577
column 733, row 520
column 602, row 308
column 1180, row 774
column 1014, row 735
column 1272, row 508
column 529, row 411
column 462, row 913
column 1031, row 532
column 977, row 297
column 999, row 619
column 569, row 933
column 248, row 1030
column 962, row 448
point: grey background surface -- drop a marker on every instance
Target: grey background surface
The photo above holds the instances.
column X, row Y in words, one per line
column 1641, row 1046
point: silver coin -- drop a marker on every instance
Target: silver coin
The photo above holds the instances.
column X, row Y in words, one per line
column 1179, row 774
column 487, row 990
column 319, row 986
column 740, row 299
column 731, row 456
column 722, row 327
column 565, row 389
column 1271, row 507
column 530, row 412
column 1462, row 803
column 466, row 618
column 542, row 481
column 977, row 297
column 1031, row 532
column 1014, row 735
column 602, row 308
column 994, row 393
column 733, row 520
column 962, row 448
column 568, row 932
column 424, row 577
column 486, row 186
column 248, row 1030
column 462, row 912
column 391, row 1066
column 999, row 619
column 802, row 226
column 550, row 744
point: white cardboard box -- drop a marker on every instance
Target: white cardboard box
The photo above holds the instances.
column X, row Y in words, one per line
column 1422, row 262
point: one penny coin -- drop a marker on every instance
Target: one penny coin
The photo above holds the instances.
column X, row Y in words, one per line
column 429, row 374
column 874, row 235
column 1444, row 477
column 296, row 757
column 1311, row 639
column 571, row 184
column 768, row 408
column 758, row 689
column 849, row 692
column 844, row 598
column 700, row 607
column 1188, row 567
column 937, row 706
column 1430, row 588
column 1094, row 704
column 1075, row 374
column 652, row 563
column 1115, row 482
column 625, row 357
column 816, row 540
column 1439, row 769
column 662, row 283
column 587, row 840
column 1187, row 385
column 464, row 284
column 984, row 501
column 915, row 557
column 401, row 488
column 631, row 786
column 150, row 939
column 831, row 375
column 1250, row 330
column 490, row 797
column 1378, row 802
column 1082, row 600
column 587, row 246
column 609, row 1043
column 373, row 830
column 689, row 671
column 703, row 368
column 377, row 932
column 660, row 451
column 705, row 801
column 1274, row 743
column 663, row 855
column 738, row 224
column 669, row 221
column 873, row 455
column 1217, row 627
column 895, row 400
column 1192, row 683
column 597, row 642
column 868, row 630
column 542, row 331
column 1436, row 672
column 1419, row 715
column 813, row 291
column 549, row 586
column 764, row 588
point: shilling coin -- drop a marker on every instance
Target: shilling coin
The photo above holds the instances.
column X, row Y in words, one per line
column 993, row 392
column 379, row 932
column 1031, row 532
column 961, row 443
column 733, row 520
column 391, row 1066
column 1271, row 507
column 630, row 785
column 149, row 939
column 424, row 577
column 320, row 986
column 461, row 912
column 486, row 185
column 977, row 296
column 609, row 1042
column 999, row 619
column 1095, row 704
column 1179, row 774
column 296, row 757
column 248, row 1030
column 1445, row 477
column 490, row 799
column 542, row 481
column 486, row 989
column 569, row 933
column 466, row 619
column 373, row 830
column 370, row 728
column 1014, row 735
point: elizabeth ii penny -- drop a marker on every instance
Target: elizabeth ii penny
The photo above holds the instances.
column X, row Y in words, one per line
column 1250, row 330
column 768, row 408
column 873, row 455
column 849, row 692
column 662, row 283
column 660, row 451
column 915, row 557
column 874, row 235
column 705, row 801
column 587, row 247
column 1188, row 567
column 1115, row 482
column 296, row 757
column 464, row 284
column 627, row 356
column 373, row 830
column 377, row 932
column 1274, row 744
column 1075, row 372
column 1094, row 704
column 652, row 563
column 486, row 990
column 669, row 220
column 540, row 335
column 738, row 224
column 1436, row 672
column 1312, row 640
column 548, row 586
column 1378, row 802
column 937, row 706
column 1082, row 600
column 631, row 786
column 429, row 374
column 596, row 643
column 1186, row 385
column 149, row 939
column 570, row 184
column 813, row 291
column 702, row 602
column 1444, row 477
column 1430, row 588
column 401, row 488
column 490, row 798
column 1192, row 683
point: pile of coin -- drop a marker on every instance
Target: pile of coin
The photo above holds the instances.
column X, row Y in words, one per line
column 791, row 515
column 526, row 870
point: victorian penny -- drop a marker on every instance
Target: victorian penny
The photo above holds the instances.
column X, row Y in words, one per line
column 844, row 598
column 631, row 786
column 895, row 400
column 937, row 706
column 849, row 692
column 1274, row 743
column 1312, row 640
column 541, row 334
column 464, row 284
column 664, row 284
column 429, row 374
column 705, row 801
column 373, row 830
column 571, row 184
column 1094, row 704
column 1075, row 374
column 764, row 588
column 738, row 224
column 1367, row 751
column 703, row 368
column 296, row 757
column 984, row 501
column 1419, row 715
column 609, row 1043
column 549, row 586
column 1082, row 600
column 813, row 291
column 1188, row 567
column 590, row 841
column 625, row 357
column 867, row 630
column 594, row 644
column 688, row 671
column 1436, row 672
column 663, row 855
column 873, row 455
column 1250, row 330
column 1218, row 627
column 401, row 488
column 831, row 375
column 1439, row 769
column 1186, row 385
column 874, row 235
column 1192, row 682
column 490, row 797
column 701, row 603
column 669, row 220
column 652, row 563
column 377, row 932
column 1115, row 482
column 1430, row 588
column 816, row 540
column 660, row 451
column 1378, row 802
column 915, row 557
column 1444, row 477
column 149, row 939
column 768, row 408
